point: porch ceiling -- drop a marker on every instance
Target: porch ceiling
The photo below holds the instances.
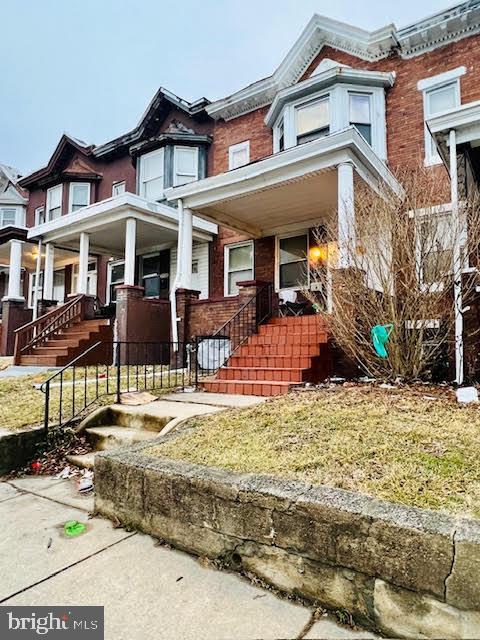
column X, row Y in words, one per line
column 292, row 188
column 105, row 221
column 29, row 256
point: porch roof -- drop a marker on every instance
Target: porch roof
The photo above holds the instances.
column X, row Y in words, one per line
column 105, row 222
column 465, row 119
column 295, row 186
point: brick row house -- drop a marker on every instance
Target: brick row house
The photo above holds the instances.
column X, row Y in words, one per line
column 185, row 218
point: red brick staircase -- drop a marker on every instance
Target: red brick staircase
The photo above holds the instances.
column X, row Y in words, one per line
column 285, row 352
column 63, row 347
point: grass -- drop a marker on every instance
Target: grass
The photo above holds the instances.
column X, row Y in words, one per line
column 414, row 446
column 22, row 403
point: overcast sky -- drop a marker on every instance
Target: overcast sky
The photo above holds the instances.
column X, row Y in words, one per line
column 90, row 67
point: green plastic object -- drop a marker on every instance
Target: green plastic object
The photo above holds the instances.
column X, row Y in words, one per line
column 74, row 528
column 380, row 336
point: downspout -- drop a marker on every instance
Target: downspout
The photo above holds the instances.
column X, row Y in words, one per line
column 37, row 280
column 457, row 264
column 178, row 277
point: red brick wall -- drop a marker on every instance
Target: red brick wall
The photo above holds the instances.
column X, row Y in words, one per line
column 206, row 316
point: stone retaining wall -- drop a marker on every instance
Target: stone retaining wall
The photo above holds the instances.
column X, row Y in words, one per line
column 19, row 446
column 406, row 572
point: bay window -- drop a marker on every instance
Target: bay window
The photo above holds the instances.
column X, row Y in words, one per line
column 313, row 120
column 185, row 165
column 79, row 196
column 238, row 265
column 54, row 202
column 360, row 114
column 292, row 252
column 151, row 175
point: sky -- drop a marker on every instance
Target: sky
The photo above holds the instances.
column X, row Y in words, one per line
column 90, row 67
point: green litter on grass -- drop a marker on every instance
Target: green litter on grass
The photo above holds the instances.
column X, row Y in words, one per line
column 74, row 528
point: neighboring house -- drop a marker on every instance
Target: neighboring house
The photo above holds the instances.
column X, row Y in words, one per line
column 266, row 164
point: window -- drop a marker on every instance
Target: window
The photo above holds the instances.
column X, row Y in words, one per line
column 155, row 271
column 32, row 279
column 239, row 155
column 118, row 188
column 313, row 120
column 238, row 265
column 8, row 216
column 151, row 175
column 359, row 114
column 79, row 196
column 281, row 136
column 185, row 165
column 292, row 261
column 39, row 215
column 91, row 278
column 54, row 202
column 116, row 276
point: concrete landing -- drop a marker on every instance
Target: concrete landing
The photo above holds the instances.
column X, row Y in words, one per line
column 149, row 592
column 215, row 399
column 16, row 371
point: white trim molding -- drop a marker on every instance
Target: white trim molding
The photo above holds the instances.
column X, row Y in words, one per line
column 226, row 264
column 236, row 148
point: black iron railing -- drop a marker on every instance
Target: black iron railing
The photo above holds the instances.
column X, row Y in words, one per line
column 214, row 350
column 106, row 370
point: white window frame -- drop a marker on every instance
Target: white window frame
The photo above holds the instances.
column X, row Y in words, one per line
column 426, row 85
column 235, row 148
column 39, row 216
column 370, row 100
column 13, row 208
column 283, row 236
column 31, row 288
column 177, row 148
column 90, row 273
column 115, row 186
column 142, row 180
column 226, row 263
column 70, row 195
column 59, row 187
column 111, row 265
column 339, row 109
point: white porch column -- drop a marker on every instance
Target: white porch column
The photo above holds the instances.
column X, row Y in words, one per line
column 48, row 274
column 82, row 282
column 130, row 241
column 187, row 248
column 14, row 291
column 346, row 214
column 457, row 261
column 38, row 269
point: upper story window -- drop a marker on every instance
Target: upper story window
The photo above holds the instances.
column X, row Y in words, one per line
column 8, row 216
column 329, row 102
column 185, row 165
column 239, row 154
column 440, row 93
column 313, row 120
column 359, row 105
column 39, row 215
column 151, row 181
column 79, row 196
column 54, row 202
column 118, row 188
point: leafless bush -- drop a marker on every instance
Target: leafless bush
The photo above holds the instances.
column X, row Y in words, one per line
column 401, row 272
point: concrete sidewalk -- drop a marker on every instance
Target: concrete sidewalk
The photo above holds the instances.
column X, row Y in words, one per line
column 148, row 591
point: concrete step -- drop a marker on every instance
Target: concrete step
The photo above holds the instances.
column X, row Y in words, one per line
column 114, row 436
column 84, row 460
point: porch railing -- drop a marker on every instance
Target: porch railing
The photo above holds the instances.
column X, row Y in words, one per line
column 214, row 350
column 39, row 331
column 128, row 367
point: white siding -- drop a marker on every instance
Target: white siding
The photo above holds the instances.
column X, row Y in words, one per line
column 200, row 279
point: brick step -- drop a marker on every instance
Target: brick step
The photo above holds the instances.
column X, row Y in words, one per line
column 264, row 374
column 300, row 320
column 289, row 338
column 247, row 387
column 284, row 329
column 250, row 349
column 275, row 362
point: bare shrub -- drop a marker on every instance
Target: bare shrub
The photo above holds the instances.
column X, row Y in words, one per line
column 401, row 272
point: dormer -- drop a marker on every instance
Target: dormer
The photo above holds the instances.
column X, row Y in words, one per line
column 333, row 98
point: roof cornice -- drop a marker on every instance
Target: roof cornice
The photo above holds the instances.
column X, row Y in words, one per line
column 447, row 26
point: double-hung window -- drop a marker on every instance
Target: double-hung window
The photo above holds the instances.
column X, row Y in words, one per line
column 313, row 120
column 116, row 276
column 238, row 265
column 54, row 202
column 360, row 116
column 39, row 215
column 292, row 262
column 151, row 175
column 239, row 155
column 79, row 196
column 8, row 216
column 118, row 188
column 185, row 165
